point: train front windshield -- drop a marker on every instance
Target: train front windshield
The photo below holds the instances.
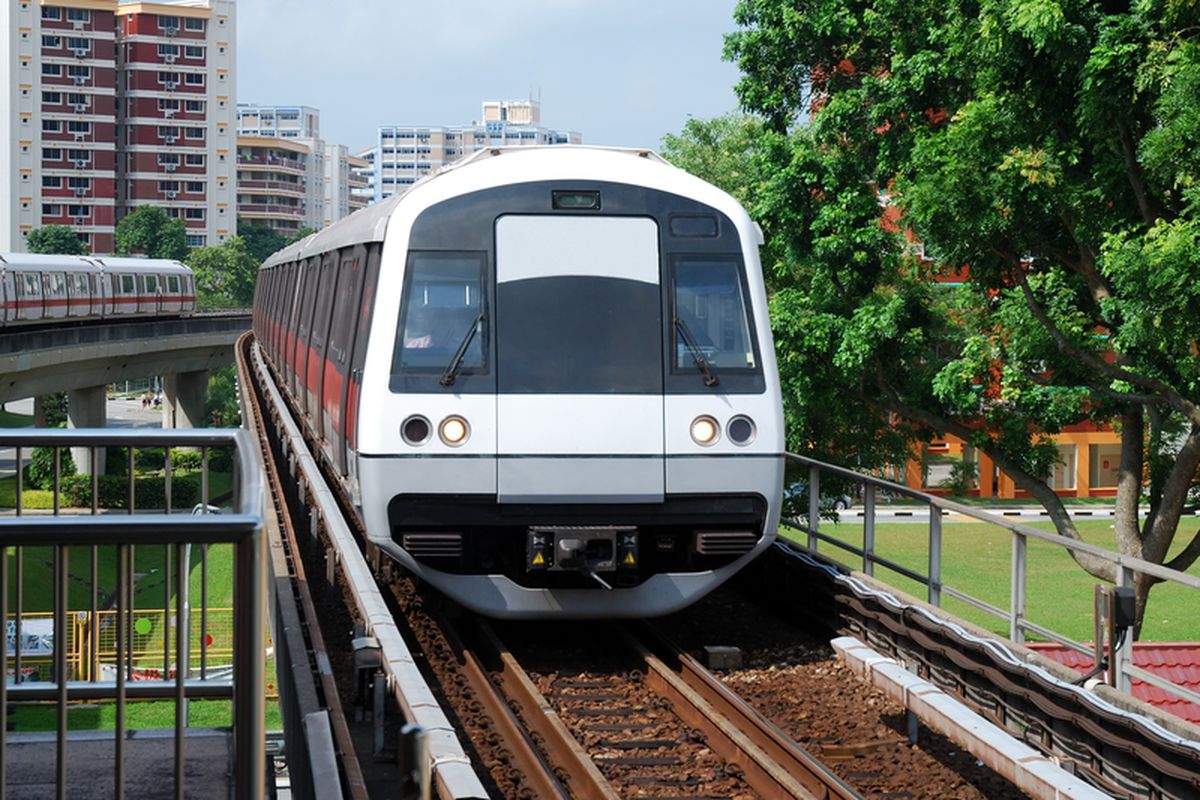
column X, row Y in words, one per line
column 443, row 310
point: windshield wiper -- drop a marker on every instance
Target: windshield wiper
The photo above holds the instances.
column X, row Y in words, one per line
column 452, row 368
column 710, row 379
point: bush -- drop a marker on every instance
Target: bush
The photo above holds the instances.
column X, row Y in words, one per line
column 149, row 459
column 220, row 459
column 149, row 491
column 39, row 472
column 186, row 459
column 961, row 479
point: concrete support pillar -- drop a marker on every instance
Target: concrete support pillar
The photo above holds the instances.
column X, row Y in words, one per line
column 87, row 408
column 39, row 412
column 1083, row 470
column 183, row 399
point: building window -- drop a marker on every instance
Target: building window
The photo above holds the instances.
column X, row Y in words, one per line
column 194, row 106
column 194, row 159
column 77, row 211
column 194, row 133
column 195, row 240
column 51, row 182
column 166, row 22
column 51, row 12
column 194, row 78
column 193, row 52
column 168, row 105
column 195, row 187
column 51, row 126
column 78, row 71
column 51, row 70
column 168, row 186
column 193, row 24
column 51, row 154
column 76, row 126
column 1105, row 463
column 52, row 42
column 168, row 159
column 168, row 51
column 79, row 43
column 193, row 213
column 51, row 210
column 79, row 15
column 79, row 155
column 79, row 183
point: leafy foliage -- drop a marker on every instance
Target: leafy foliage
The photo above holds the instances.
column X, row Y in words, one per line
column 221, row 406
column 225, row 274
column 261, row 241
column 39, row 472
column 55, row 240
column 1046, row 154
column 151, row 231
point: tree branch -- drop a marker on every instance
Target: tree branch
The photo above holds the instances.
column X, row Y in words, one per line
column 1147, row 206
column 1186, row 557
column 1113, row 371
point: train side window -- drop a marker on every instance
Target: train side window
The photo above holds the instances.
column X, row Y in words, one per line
column 81, row 283
column 127, row 286
column 29, row 284
column 173, row 284
column 151, row 283
column 55, row 283
column 349, row 285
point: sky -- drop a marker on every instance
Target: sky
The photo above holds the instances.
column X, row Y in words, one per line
column 621, row 72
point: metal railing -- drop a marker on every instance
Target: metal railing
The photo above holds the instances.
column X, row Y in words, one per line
column 1121, row 669
column 117, row 532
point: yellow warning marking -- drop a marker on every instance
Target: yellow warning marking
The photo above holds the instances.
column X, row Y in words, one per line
column 629, row 559
column 538, row 560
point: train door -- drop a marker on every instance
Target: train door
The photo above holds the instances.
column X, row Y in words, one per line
column 306, row 312
column 318, row 363
column 579, row 377
column 30, row 301
column 54, row 286
column 5, row 296
column 351, row 269
column 362, row 327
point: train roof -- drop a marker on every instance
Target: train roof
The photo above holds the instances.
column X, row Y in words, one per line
column 47, row 263
column 125, row 263
column 495, row 166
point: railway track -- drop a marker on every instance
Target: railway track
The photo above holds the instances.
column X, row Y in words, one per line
column 584, row 709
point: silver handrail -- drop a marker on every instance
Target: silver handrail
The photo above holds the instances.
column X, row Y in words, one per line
column 125, row 529
column 933, row 579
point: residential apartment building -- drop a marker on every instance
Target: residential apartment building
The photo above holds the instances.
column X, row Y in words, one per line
column 345, row 183
column 280, row 183
column 111, row 105
column 284, row 122
column 404, row 154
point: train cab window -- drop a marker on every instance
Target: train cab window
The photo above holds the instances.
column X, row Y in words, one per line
column 442, row 309
column 710, row 314
column 173, row 284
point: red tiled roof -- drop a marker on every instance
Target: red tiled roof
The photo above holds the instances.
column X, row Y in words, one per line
column 1178, row 662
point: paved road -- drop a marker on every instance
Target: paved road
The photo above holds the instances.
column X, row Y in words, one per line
column 121, row 414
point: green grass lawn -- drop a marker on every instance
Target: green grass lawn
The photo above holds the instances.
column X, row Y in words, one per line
column 10, row 420
column 138, row 716
column 976, row 559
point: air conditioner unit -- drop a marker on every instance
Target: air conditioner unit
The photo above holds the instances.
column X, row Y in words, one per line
column 80, row 164
column 169, row 167
column 170, row 139
column 170, row 31
column 77, row 25
column 170, row 195
column 81, row 192
column 170, row 87
column 79, row 52
column 80, row 80
column 168, row 113
column 170, row 58
column 79, row 137
column 79, row 107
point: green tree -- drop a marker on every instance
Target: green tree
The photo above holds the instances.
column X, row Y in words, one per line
column 55, row 239
column 221, row 406
column 261, row 241
column 1049, row 151
column 225, row 274
column 299, row 234
column 151, row 231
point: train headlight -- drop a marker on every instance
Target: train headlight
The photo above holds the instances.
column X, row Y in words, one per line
column 454, row 430
column 415, row 430
column 740, row 430
column 705, row 430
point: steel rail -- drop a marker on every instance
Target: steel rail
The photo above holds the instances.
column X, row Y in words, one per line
column 817, row 778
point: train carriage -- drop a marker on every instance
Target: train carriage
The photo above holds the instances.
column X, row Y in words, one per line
column 545, row 377
column 38, row 289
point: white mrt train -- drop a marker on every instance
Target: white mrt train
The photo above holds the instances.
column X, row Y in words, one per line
column 545, row 377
